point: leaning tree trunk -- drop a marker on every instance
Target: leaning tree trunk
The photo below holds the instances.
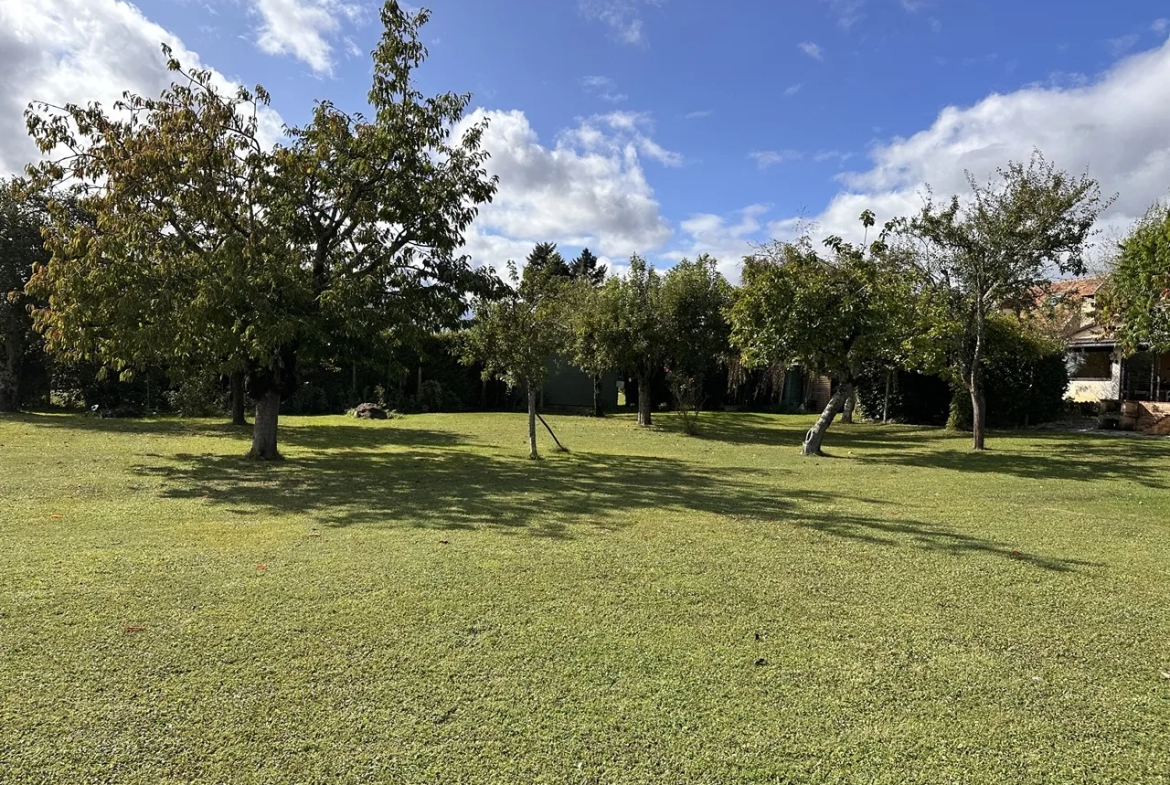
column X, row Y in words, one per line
column 264, row 432
column 645, row 419
column 532, row 453
column 238, row 399
column 850, row 406
column 816, row 434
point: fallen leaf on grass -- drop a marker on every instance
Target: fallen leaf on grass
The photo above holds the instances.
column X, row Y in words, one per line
column 444, row 542
column 261, row 566
column 132, row 629
column 56, row 516
column 1166, row 674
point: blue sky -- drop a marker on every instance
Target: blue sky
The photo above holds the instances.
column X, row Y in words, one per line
column 672, row 127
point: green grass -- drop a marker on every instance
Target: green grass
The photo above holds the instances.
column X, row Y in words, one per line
column 414, row 602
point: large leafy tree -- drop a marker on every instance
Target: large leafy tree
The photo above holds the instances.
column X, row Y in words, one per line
column 211, row 248
column 831, row 314
column 516, row 336
column 695, row 301
column 635, row 333
column 993, row 251
column 1136, row 298
column 21, row 249
column 586, row 333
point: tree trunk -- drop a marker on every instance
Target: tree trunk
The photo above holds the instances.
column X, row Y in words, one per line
column 850, row 405
column 10, row 377
column 532, row 453
column 645, row 419
column 597, row 407
column 816, row 434
column 238, row 402
column 6, row 403
column 264, row 432
column 978, row 414
column 886, row 402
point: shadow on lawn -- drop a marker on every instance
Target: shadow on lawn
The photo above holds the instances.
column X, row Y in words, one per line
column 560, row 497
column 1038, row 455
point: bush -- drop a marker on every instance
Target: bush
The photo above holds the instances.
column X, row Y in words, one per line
column 202, row 396
column 309, row 399
column 1025, row 380
column 915, row 398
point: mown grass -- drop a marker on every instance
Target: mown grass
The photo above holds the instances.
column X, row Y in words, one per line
column 415, row 602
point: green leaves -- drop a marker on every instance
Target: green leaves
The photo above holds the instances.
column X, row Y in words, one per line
column 1136, row 298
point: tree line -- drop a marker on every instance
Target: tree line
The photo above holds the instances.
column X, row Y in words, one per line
column 167, row 233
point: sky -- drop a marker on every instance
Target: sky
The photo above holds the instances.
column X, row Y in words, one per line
column 671, row 128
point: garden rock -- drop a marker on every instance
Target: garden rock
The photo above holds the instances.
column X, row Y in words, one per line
column 370, row 411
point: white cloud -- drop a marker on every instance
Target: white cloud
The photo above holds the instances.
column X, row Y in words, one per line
column 62, row 51
column 811, row 49
column 793, row 89
column 848, row 12
column 621, row 16
column 1160, row 26
column 588, row 188
column 1114, row 128
column 726, row 239
column 604, row 88
column 303, row 28
column 832, row 155
column 768, row 158
column 698, row 115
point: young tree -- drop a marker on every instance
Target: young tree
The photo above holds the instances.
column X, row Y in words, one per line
column 695, row 300
column 21, row 249
column 1136, row 298
column 515, row 337
column 585, row 334
column 830, row 316
column 634, row 329
column 993, row 251
column 588, row 267
column 213, row 249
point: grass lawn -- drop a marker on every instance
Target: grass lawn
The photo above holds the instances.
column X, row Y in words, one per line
column 414, row 602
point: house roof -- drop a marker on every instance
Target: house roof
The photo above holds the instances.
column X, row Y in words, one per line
column 1077, row 287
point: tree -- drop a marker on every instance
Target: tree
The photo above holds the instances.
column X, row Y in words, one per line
column 995, row 251
column 214, row 249
column 588, row 267
column 515, row 337
column 1136, row 297
column 546, row 262
column 695, row 300
column 585, row 334
column 634, row 334
column 829, row 315
column 21, row 249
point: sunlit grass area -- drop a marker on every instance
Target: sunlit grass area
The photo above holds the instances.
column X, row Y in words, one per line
column 415, row 602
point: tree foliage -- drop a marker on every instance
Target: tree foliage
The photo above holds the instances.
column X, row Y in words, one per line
column 211, row 248
column 635, row 332
column 21, row 251
column 832, row 315
column 516, row 337
column 995, row 250
column 588, row 267
column 1136, row 297
column 695, row 301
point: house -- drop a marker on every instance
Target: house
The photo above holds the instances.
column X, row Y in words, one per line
column 1098, row 371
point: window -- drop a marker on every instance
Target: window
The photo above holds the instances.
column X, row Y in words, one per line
column 1091, row 364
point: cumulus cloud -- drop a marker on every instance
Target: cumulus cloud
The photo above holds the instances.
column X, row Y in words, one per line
column 588, row 188
column 1114, row 128
column 303, row 28
column 726, row 238
column 77, row 51
column 623, row 17
column 811, row 49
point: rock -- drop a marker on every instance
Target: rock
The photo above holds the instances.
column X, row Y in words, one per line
column 370, row 411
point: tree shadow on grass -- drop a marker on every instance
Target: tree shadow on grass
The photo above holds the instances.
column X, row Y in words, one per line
column 1038, row 455
column 355, row 435
column 562, row 497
